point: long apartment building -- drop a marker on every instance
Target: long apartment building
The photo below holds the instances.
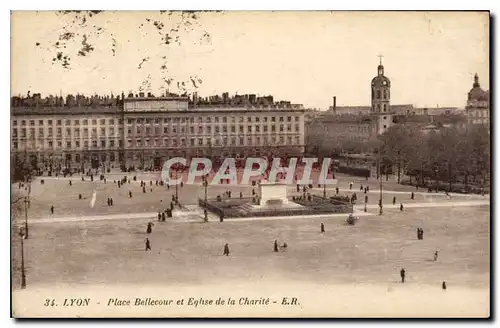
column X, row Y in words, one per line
column 142, row 131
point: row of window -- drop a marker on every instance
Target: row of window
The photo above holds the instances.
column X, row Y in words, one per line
column 378, row 107
column 217, row 129
column 217, row 142
column 66, row 122
column 165, row 142
column 69, row 132
column 199, row 119
column 147, row 131
column 216, row 119
column 379, row 94
column 71, row 144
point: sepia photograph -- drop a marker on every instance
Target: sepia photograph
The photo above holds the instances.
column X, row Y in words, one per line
column 250, row 164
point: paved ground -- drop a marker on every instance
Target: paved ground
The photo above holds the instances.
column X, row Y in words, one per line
column 90, row 248
column 58, row 192
column 373, row 251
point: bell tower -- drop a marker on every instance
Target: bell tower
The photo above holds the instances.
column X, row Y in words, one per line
column 381, row 100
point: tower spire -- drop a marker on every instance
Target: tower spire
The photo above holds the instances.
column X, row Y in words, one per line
column 476, row 81
column 380, row 58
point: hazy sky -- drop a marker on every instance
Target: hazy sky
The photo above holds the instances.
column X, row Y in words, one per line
column 304, row 57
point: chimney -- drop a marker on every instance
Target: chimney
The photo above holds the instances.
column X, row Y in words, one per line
column 334, row 104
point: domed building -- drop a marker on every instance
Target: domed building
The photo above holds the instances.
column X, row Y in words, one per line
column 381, row 100
column 478, row 104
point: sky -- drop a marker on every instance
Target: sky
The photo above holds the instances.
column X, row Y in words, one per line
column 303, row 57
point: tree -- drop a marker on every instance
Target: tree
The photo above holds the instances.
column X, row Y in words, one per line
column 398, row 144
column 82, row 34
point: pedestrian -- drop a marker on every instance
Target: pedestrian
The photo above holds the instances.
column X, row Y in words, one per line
column 366, row 199
column 70, row 183
column 421, row 233
column 130, row 194
column 111, row 201
column 322, row 227
column 108, row 202
column 163, row 216
column 350, row 185
column 205, row 215
column 418, row 233
column 104, row 180
column 435, row 256
column 401, row 207
column 83, row 178
column 298, row 188
column 52, row 209
column 159, row 216
column 403, row 275
column 241, row 194
column 275, row 245
column 148, row 245
column 443, row 285
column 144, row 189
column 337, row 190
column 366, row 209
column 119, row 184
column 394, row 200
column 156, row 182
column 79, row 196
column 412, row 195
column 361, row 188
column 226, row 249
column 221, row 217
column 149, row 228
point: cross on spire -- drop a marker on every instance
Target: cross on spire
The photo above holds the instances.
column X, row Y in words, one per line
column 380, row 57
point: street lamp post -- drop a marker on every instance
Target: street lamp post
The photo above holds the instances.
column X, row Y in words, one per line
column 381, row 211
column 26, row 201
column 177, row 186
column 205, row 184
column 23, row 273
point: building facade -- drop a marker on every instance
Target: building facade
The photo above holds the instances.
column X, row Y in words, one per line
column 478, row 104
column 143, row 131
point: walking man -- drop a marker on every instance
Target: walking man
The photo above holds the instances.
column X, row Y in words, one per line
column 394, row 200
column 52, row 209
column 435, row 256
column 322, row 227
column 443, row 285
column 148, row 245
column 226, row 249
column 276, row 245
column 403, row 275
column 401, row 207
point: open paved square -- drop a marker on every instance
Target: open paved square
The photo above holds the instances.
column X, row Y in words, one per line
column 93, row 251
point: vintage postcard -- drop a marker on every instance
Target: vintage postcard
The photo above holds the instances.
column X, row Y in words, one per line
column 224, row 164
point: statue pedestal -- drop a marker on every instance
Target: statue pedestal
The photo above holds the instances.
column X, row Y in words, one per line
column 273, row 193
